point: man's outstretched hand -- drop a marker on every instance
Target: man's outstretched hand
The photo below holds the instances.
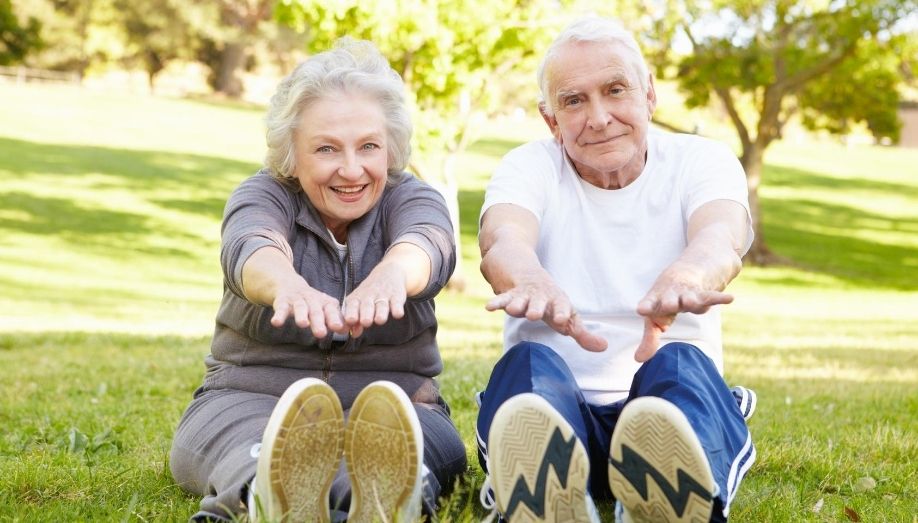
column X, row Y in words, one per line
column 540, row 299
column 676, row 290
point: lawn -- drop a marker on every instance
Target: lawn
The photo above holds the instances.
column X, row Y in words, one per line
column 110, row 211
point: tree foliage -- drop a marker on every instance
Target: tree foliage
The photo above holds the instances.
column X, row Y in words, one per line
column 155, row 31
column 455, row 56
column 16, row 38
column 235, row 26
column 833, row 63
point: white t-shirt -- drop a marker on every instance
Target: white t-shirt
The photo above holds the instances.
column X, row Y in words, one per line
column 605, row 248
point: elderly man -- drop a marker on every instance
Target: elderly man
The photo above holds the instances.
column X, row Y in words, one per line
column 609, row 247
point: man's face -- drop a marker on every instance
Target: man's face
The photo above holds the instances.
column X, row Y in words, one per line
column 601, row 112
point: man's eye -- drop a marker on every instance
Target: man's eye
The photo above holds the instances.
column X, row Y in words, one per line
column 570, row 102
column 616, row 90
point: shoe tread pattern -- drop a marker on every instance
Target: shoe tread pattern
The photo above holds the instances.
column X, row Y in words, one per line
column 529, row 447
column 658, row 436
column 382, row 455
column 306, row 454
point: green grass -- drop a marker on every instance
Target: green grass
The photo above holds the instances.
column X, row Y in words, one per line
column 109, row 228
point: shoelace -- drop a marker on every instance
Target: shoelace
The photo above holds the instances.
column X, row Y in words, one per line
column 486, row 498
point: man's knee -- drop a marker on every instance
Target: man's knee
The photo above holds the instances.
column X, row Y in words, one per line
column 686, row 352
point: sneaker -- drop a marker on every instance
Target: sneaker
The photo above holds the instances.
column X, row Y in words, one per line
column 537, row 468
column 745, row 400
column 658, row 470
column 383, row 450
column 300, row 453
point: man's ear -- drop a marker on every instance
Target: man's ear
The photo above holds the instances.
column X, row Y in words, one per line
column 651, row 96
column 551, row 122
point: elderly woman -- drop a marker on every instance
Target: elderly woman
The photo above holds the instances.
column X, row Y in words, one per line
column 331, row 258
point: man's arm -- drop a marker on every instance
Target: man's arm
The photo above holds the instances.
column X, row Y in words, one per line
column 695, row 281
column 524, row 289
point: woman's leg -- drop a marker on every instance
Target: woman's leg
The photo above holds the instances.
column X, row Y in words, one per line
column 215, row 448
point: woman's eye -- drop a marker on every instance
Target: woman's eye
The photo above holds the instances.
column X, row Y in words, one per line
column 324, row 149
column 370, row 146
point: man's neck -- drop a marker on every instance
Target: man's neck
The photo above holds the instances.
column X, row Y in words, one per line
column 611, row 180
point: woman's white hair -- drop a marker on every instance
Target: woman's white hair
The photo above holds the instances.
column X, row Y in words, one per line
column 353, row 66
column 597, row 30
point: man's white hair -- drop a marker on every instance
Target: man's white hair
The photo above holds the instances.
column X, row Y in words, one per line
column 592, row 29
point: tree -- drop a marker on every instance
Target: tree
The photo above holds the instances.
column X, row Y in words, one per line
column 155, row 32
column 234, row 25
column 456, row 58
column 832, row 63
column 16, row 38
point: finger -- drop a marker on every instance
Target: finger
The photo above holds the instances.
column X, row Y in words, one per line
column 351, row 311
column 281, row 312
column 587, row 339
column 355, row 331
column 517, row 306
column 670, row 303
column 382, row 311
column 650, row 341
column 317, row 320
column 535, row 309
column 333, row 318
column 397, row 307
column 301, row 313
column 562, row 312
column 648, row 305
column 498, row 302
column 710, row 298
column 367, row 312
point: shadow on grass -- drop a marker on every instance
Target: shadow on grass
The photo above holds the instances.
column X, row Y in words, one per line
column 51, row 177
column 823, row 237
column 798, row 178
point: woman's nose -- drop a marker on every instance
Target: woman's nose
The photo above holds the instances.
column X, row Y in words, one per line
column 351, row 169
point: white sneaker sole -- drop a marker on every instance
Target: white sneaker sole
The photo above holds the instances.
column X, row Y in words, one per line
column 300, row 453
column 383, row 450
column 537, row 467
column 657, row 468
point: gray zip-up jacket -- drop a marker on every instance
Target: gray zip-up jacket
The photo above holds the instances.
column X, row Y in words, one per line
column 248, row 353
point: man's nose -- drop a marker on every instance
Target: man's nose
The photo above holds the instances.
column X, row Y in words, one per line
column 599, row 117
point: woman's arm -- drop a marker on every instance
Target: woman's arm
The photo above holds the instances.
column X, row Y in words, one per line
column 268, row 278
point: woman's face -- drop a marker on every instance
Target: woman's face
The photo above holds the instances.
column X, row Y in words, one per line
column 341, row 157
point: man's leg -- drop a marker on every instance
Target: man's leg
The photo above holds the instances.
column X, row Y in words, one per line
column 700, row 416
column 534, row 430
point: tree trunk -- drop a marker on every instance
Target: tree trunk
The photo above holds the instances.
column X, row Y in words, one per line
column 752, row 160
column 231, row 59
column 449, row 188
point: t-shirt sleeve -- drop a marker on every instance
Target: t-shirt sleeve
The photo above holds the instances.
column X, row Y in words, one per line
column 524, row 177
column 714, row 173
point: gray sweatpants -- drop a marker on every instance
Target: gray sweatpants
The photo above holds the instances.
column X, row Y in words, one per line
column 214, row 452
